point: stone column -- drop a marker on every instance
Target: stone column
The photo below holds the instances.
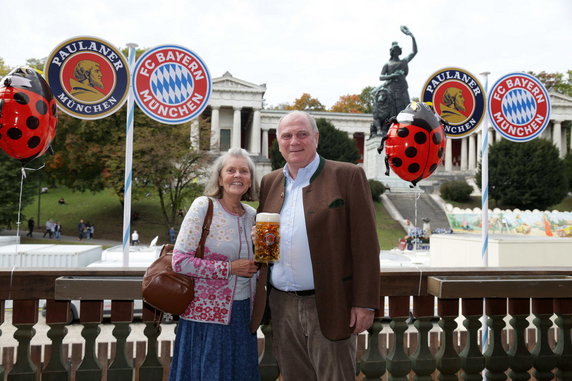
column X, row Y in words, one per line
column 491, row 135
column 235, row 141
column 215, row 129
column 479, row 145
column 464, row 163
column 557, row 137
column 255, row 133
column 195, row 133
column 472, row 152
column 449, row 156
column 265, row 143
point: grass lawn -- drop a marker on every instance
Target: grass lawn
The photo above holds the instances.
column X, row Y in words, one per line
column 104, row 211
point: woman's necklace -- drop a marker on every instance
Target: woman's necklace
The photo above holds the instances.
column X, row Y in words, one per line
column 236, row 209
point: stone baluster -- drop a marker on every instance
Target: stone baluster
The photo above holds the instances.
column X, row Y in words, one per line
column 472, row 360
column 122, row 366
column 2, row 312
column 448, row 361
column 520, row 359
column 58, row 314
column 151, row 369
column 91, row 315
column 24, row 317
column 544, row 359
column 422, row 361
column 496, row 359
column 563, row 350
column 372, row 362
column 268, row 365
column 398, row 363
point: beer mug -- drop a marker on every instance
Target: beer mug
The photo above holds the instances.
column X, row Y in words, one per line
column 267, row 239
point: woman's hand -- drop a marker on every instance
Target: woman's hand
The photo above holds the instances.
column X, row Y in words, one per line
column 243, row 267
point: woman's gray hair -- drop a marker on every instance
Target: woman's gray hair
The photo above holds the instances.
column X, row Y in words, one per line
column 212, row 187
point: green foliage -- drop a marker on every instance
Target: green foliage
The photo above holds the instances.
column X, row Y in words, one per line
column 307, row 103
column 556, row 81
column 377, row 188
column 11, row 175
column 333, row 145
column 458, row 191
column 568, row 169
column 525, row 175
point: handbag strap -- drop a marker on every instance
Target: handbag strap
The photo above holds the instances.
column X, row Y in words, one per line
column 199, row 253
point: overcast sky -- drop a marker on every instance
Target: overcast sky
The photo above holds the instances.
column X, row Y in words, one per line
column 327, row 48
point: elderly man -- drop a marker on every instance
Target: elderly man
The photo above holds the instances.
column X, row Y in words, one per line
column 325, row 288
column 86, row 77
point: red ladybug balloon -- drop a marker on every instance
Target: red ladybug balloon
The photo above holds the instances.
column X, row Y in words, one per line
column 27, row 114
column 415, row 143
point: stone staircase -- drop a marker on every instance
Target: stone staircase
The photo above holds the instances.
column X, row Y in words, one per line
column 403, row 205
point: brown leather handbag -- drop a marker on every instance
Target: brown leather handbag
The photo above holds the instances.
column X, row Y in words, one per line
column 163, row 288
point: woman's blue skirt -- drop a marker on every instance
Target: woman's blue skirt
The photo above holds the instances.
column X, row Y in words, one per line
column 211, row 352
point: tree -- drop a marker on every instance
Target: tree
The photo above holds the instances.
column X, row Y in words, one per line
column 333, row 144
column 11, row 174
column 307, row 103
column 556, row 81
column 525, row 175
column 4, row 69
column 568, row 169
column 350, row 103
column 367, row 99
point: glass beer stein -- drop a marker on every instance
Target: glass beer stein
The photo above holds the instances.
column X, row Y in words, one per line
column 267, row 239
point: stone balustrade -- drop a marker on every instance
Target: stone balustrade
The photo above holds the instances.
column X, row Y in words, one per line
column 429, row 326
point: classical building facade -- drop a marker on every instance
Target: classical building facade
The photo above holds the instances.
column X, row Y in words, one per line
column 237, row 119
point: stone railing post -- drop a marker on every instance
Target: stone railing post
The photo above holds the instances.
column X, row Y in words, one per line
column 496, row 359
column 24, row 317
column 122, row 366
column 91, row 316
column 472, row 360
column 372, row 362
column 267, row 364
column 520, row 359
column 398, row 363
column 422, row 361
column 563, row 350
column 448, row 361
column 57, row 316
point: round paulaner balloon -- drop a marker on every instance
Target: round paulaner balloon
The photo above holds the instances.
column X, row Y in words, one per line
column 415, row 143
column 27, row 114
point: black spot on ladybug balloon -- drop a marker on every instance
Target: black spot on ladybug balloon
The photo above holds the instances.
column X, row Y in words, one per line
column 415, row 143
column 27, row 114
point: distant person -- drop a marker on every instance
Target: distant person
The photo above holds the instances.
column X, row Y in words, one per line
column 57, row 230
column 172, row 234
column 61, row 201
column 135, row 238
column 213, row 341
column 49, row 229
column 81, row 229
column 91, row 231
column 30, row 228
column 87, row 230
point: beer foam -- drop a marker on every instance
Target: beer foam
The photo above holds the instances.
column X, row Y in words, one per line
column 268, row 217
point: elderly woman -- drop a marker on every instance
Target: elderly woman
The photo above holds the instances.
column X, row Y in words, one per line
column 213, row 339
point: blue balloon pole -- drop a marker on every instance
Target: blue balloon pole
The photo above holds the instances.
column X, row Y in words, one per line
column 128, row 163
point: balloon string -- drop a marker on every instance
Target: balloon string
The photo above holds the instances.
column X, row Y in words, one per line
column 417, row 197
column 18, row 222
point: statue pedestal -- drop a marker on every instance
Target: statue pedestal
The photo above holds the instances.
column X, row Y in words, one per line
column 375, row 167
column 374, row 161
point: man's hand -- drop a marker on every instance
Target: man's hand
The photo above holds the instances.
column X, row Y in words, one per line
column 361, row 319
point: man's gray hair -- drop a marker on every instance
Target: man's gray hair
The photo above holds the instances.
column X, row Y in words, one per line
column 309, row 118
